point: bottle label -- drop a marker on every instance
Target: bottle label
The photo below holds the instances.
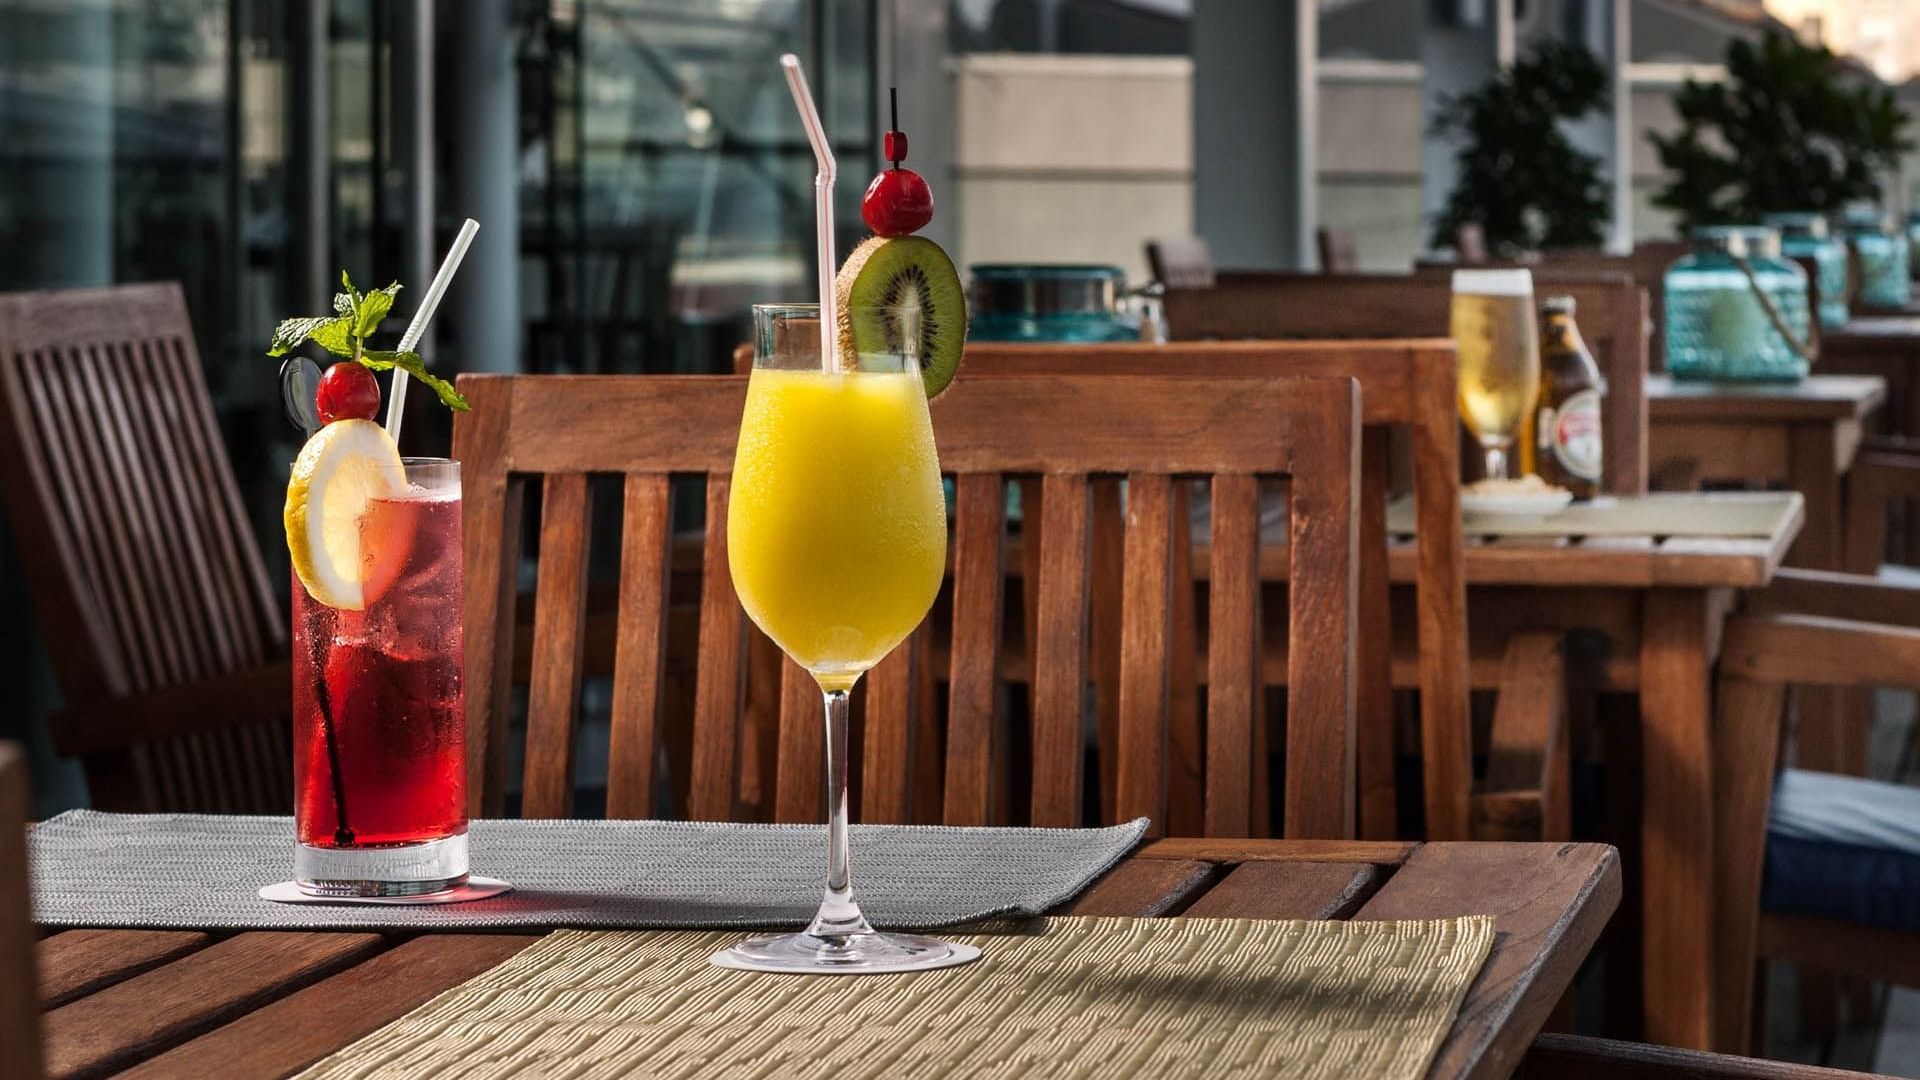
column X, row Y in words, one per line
column 1576, row 435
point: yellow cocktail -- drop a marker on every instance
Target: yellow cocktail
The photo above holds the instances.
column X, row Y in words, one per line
column 837, row 541
column 836, row 529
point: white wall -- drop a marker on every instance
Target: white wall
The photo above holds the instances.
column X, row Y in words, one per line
column 1063, row 158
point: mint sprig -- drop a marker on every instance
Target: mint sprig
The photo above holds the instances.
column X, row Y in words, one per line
column 356, row 317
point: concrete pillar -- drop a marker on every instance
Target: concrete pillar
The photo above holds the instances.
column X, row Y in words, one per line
column 484, row 302
column 1465, row 43
column 1601, row 26
column 70, row 185
column 1255, row 123
column 912, row 45
column 413, row 146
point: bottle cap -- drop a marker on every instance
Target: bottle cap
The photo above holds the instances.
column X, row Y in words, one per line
column 1557, row 305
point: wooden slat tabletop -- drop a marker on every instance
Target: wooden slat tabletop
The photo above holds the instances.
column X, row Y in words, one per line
column 1760, row 528
column 152, row 1004
column 1815, row 397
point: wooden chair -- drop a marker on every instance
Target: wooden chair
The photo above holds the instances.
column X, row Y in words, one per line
column 1404, row 385
column 1470, row 244
column 1183, row 262
column 1528, row 752
column 1062, row 429
column 1810, row 628
column 19, row 991
column 147, row 581
column 1339, row 251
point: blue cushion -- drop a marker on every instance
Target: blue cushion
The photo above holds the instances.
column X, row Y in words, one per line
column 1844, row 848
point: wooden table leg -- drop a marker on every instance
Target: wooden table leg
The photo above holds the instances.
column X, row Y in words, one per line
column 1677, row 821
column 1813, row 471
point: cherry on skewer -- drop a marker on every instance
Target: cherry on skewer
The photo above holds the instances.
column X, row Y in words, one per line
column 898, row 202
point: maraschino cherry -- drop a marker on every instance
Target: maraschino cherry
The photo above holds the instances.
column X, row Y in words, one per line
column 898, row 202
column 347, row 392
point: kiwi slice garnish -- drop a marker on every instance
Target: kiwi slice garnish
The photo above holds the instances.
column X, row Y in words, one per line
column 912, row 273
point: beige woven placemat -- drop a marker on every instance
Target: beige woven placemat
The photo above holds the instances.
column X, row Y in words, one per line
column 1060, row 997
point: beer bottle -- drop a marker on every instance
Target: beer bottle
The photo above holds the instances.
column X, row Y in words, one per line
column 1567, row 428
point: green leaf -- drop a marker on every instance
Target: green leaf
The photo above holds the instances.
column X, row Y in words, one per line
column 335, row 336
column 410, row 362
column 373, row 309
column 290, row 334
column 343, row 303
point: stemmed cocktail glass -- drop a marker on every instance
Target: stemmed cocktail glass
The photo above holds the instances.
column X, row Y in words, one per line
column 836, row 539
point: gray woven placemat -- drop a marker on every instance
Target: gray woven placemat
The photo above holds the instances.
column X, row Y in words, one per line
column 202, row 870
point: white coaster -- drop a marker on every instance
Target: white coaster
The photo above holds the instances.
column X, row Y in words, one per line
column 960, row 954
column 476, row 888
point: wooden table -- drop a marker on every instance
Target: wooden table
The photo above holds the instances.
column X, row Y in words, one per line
column 1803, row 435
column 146, row 1003
column 1886, row 346
column 1659, row 605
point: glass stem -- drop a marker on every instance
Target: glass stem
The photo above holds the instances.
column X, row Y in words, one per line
column 839, row 916
column 1496, row 461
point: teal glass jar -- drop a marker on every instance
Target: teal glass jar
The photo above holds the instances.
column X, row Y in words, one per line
column 1717, row 327
column 1805, row 236
column 1042, row 302
column 1883, row 258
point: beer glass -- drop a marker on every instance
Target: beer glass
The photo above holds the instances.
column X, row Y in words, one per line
column 1498, row 341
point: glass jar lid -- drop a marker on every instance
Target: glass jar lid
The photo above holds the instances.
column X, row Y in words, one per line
column 1799, row 225
column 1038, row 289
column 1864, row 218
column 1739, row 241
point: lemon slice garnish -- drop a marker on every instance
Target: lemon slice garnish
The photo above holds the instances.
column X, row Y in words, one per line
column 341, row 469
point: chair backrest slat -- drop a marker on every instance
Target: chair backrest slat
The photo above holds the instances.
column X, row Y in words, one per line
column 639, row 645
column 892, row 735
column 1235, row 695
column 1075, row 435
column 974, row 740
column 1321, row 635
column 1146, row 619
column 797, row 788
column 717, row 685
column 559, row 620
column 1059, row 652
column 144, row 570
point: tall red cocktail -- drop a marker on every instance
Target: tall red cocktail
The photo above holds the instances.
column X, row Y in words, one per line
column 379, row 720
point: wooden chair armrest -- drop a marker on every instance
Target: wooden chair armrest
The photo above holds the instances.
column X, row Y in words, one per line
column 221, row 701
column 1577, row 1057
column 1525, row 796
column 1820, row 651
column 1854, row 597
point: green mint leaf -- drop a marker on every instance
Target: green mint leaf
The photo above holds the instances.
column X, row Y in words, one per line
column 291, row 333
column 343, row 303
column 346, row 282
column 335, row 336
column 373, row 309
column 409, row 362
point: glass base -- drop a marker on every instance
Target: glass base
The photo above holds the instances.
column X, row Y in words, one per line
column 867, row 953
column 389, row 870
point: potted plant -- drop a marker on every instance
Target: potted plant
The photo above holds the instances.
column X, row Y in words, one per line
column 1521, row 179
column 1790, row 129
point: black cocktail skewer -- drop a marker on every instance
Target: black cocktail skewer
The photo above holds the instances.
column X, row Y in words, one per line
column 342, row 832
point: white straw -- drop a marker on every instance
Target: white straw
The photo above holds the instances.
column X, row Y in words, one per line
column 822, row 207
column 397, row 393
